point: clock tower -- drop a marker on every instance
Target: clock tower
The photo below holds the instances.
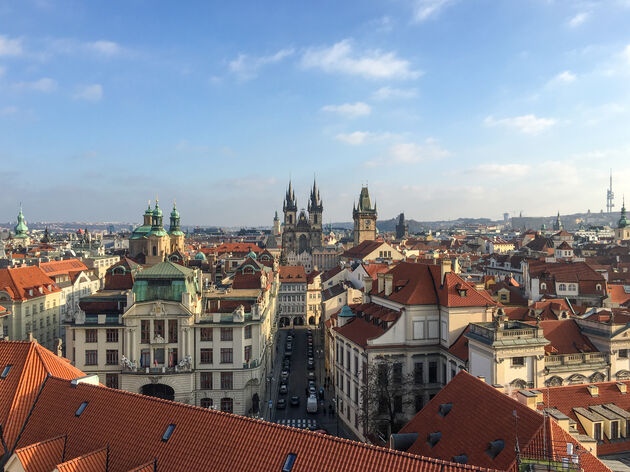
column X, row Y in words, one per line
column 364, row 216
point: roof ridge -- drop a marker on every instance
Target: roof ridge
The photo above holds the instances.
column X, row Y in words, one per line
column 45, row 441
column 82, row 456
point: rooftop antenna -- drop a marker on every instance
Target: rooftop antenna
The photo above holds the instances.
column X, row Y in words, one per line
column 610, row 196
column 517, row 448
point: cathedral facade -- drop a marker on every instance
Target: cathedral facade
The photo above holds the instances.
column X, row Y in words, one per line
column 302, row 233
column 150, row 243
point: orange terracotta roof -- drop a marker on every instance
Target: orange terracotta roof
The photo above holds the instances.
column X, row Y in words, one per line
column 53, row 268
column 459, row 348
column 374, row 268
column 619, row 294
column 565, row 337
column 362, row 250
column 42, row 456
column 94, row 461
column 30, row 364
column 135, row 420
column 292, row 274
column 148, row 467
column 18, row 282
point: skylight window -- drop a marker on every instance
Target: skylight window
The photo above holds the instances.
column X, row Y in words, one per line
column 168, row 432
column 5, row 371
column 80, row 409
column 434, row 438
column 461, row 459
column 288, row 463
column 445, row 409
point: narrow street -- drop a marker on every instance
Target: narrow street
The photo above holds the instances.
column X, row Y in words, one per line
column 297, row 384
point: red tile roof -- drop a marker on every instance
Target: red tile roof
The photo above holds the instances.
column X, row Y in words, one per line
column 619, row 294
column 292, row 274
column 362, row 250
column 66, row 266
column 42, row 456
column 478, row 415
column 137, row 423
column 94, row 461
column 565, row 337
column 459, row 348
column 374, row 268
column 19, row 281
column 246, row 281
column 30, row 364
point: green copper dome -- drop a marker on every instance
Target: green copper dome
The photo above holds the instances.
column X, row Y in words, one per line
column 346, row 312
column 157, row 211
column 252, row 254
column 149, row 211
column 623, row 221
column 174, row 213
column 21, row 229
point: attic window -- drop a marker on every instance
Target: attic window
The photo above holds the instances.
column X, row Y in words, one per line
column 167, row 434
column 445, row 409
column 80, row 409
column 5, row 371
column 434, row 438
column 461, row 459
column 289, row 461
column 495, row 447
column 543, row 286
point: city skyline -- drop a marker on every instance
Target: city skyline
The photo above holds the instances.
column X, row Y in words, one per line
column 445, row 108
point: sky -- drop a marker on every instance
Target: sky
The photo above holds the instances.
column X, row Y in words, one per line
column 444, row 108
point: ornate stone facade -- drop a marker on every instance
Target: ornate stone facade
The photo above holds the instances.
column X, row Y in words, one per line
column 150, row 243
column 302, row 233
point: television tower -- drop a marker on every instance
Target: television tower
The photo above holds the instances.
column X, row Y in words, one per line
column 610, row 196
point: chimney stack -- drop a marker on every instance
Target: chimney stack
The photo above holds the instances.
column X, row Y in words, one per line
column 445, row 265
column 389, row 284
column 381, row 282
column 367, row 283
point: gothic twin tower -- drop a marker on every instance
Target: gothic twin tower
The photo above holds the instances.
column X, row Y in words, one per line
column 303, row 233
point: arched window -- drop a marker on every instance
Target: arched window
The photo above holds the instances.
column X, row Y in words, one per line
column 155, row 250
column 562, row 287
column 119, row 270
column 227, row 405
column 206, row 403
column 598, row 287
column 543, row 286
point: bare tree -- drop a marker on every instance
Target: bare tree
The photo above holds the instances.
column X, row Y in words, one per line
column 385, row 391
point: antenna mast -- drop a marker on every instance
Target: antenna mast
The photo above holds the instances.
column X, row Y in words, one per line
column 610, row 196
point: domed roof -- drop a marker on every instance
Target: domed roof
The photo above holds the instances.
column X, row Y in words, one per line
column 346, row 312
column 20, row 228
column 252, row 254
column 149, row 211
column 174, row 213
column 157, row 211
column 200, row 256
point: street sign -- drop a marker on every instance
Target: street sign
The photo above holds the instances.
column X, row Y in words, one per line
column 270, row 403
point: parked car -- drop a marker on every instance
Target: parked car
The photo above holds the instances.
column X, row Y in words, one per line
column 284, row 381
column 295, row 400
column 283, row 390
column 310, row 365
column 284, row 374
column 289, row 347
column 282, row 404
column 311, row 383
column 311, row 376
column 311, row 404
column 312, row 391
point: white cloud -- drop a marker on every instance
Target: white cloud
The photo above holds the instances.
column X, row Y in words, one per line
column 2, row 71
column 100, row 48
column 501, row 170
column 385, row 93
column 247, row 67
column 89, row 93
column 45, row 85
column 106, row 48
column 528, row 124
column 370, row 64
column 350, row 110
column 354, row 139
column 10, row 47
column 425, row 9
column 564, row 77
column 410, row 153
column 10, row 110
column 626, row 53
column 578, row 19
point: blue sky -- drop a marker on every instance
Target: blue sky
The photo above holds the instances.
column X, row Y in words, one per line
column 447, row 108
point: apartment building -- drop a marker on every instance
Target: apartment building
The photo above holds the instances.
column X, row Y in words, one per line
column 292, row 296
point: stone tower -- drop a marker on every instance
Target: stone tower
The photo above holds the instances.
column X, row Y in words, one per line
column 21, row 237
column 302, row 233
column 315, row 211
column 364, row 216
column 557, row 225
column 175, row 232
column 402, row 228
column 276, row 225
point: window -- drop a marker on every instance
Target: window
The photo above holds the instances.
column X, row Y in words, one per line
column 91, row 357
column 383, row 374
column 356, row 394
column 543, row 286
column 111, row 380
column 348, row 387
column 145, row 331
column 206, row 403
column 356, row 365
column 206, row 356
column 91, row 335
column 81, row 408
column 158, row 356
column 433, row 329
column 418, row 402
column 172, row 356
column 226, row 355
column 248, row 332
column 172, row 331
column 398, row 404
column 397, row 373
column 5, row 371
column 623, row 353
column 562, row 287
column 145, row 358
column 433, row 372
column 227, row 405
column 348, row 360
column 111, row 335
column 614, row 430
column 227, row 380
column 158, row 328
column 598, row 287
column 111, row 357
column 418, row 374
column 171, row 427
column 206, row 334
column 418, row 330
column 597, row 431
column 247, row 353
column 518, row 361
column 206, row 380
column 226, row 334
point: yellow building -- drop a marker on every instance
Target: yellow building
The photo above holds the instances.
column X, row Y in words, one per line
column 150, row 243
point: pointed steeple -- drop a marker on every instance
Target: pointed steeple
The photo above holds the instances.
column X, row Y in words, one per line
column 21, row 230
column 623, row 221
column 290, row 204
column 315, row 203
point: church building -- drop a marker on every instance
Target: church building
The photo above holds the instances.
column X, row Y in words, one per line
column 150, row 243
column 302, row 233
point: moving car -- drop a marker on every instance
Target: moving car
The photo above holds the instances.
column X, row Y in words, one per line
column 311, row 364
column 282, row 404
column 311, row 404
column 311, row 376
column 295, row 400
column 283, row 390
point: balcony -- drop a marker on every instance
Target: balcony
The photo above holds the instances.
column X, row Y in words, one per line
column 573, row 361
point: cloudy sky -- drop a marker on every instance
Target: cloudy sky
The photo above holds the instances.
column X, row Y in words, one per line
column 446, row 108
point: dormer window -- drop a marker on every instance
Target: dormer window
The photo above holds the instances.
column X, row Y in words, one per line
column 598, row 287
column 495, row 447
column 434, row 438
column 445, row 409
column 543, row 286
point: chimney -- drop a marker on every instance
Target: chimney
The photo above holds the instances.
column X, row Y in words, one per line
column 381, row 282
column 445, row 264
column 528, row 398
column 389, row 284
column 593, row 390
column 623, row 388
column 367, row 283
